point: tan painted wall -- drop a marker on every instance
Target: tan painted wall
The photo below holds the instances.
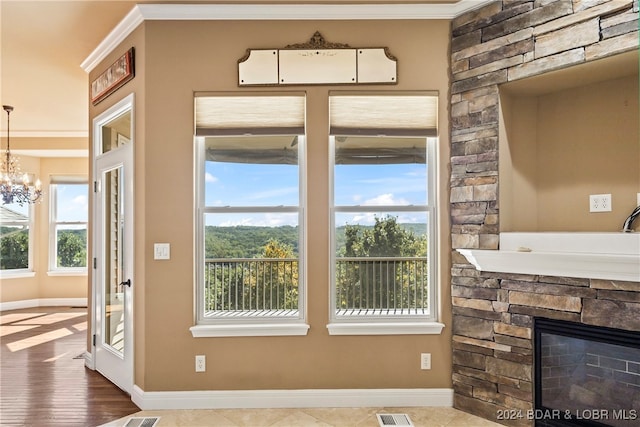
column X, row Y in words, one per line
column 43, row 286
column 566, row 145
column 518, row 177
column 57, row 286
column 183, row 57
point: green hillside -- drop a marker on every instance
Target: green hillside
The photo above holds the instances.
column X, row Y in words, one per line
column 248, row 242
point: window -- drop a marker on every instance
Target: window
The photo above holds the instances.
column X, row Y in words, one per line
column 383, row 236
column 68, row 224
column 250, row 171
column 16, row 224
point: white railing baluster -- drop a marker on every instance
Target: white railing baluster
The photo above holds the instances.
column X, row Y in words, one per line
column 373, row 285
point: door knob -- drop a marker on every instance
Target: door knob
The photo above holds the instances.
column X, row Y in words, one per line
column 126, row 283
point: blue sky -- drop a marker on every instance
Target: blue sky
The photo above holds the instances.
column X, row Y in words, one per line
column 233, row 184
column 72, row 202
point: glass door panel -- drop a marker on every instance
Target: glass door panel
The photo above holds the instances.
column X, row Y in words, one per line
column 114, row 281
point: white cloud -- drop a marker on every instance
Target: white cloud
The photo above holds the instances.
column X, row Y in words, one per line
column 210, row 178
column 259, row 220
column 363, row 219
column 234, row 223
column 80, row 200
column 386, row 199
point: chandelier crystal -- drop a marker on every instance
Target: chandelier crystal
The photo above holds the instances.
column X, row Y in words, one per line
column 15, row 187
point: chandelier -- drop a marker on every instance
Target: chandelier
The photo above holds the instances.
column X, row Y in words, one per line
column 14, row 187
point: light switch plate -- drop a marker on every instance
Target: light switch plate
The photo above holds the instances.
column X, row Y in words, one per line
column 161, row 251
column 425, row 361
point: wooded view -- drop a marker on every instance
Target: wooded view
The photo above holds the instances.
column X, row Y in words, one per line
column 14, row 248
column 256, row 268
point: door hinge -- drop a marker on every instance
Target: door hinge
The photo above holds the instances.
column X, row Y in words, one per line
column 96, row 186
column 95, row 263
column 94, row 340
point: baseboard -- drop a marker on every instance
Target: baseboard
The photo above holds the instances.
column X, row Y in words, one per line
column 43, row 302
column 244, row 399
column 88, row 360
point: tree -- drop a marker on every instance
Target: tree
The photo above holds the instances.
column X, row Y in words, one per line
column 265, row 283
column 277, row 286
column 72, row 249
column 387, row 238
column 14, row 250
column 384, row 267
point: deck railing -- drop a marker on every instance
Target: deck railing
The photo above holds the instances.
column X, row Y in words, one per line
column 364, row 286
column 251, row 285
column 381, row 286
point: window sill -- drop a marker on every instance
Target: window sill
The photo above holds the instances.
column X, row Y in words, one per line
column 20, row 274
column 249, row 330
column 389, row 328
column 54, row 273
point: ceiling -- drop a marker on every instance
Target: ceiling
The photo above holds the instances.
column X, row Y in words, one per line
column 43, row 44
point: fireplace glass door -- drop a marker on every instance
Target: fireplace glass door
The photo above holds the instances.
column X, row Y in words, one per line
column 586, row 375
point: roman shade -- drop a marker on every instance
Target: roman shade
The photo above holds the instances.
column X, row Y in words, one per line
column 249, row 114
column 386, row 113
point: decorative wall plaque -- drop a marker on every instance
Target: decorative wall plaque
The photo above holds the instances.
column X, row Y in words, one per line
column 317, row 62
column 113, row 77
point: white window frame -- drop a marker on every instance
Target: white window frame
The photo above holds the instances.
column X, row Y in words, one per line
column 54, row 269
column 392, row 324
column 268, row 325
column 29, row 271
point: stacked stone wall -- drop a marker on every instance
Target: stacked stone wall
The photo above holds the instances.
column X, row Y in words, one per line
column 493, row 312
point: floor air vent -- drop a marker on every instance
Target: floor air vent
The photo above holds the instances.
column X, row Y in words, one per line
column 394, row 420
column 142, row 422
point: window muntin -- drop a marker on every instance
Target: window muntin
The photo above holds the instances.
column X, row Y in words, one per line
column 16, row 247
column 69, row 216
column 383, row 215
column 251, row 218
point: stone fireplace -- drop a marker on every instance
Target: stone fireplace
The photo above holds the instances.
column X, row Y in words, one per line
column 494, row 313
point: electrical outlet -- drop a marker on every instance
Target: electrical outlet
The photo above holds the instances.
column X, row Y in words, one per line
column 201, row 363
column 600, row 203
column 425, row 361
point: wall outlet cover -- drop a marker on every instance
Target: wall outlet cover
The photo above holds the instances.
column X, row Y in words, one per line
column 201, row 363
column 600, row 203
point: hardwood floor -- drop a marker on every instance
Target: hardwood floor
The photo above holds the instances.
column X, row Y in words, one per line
column 43, row 380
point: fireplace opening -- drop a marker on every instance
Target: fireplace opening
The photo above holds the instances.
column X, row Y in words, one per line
column 585, row 375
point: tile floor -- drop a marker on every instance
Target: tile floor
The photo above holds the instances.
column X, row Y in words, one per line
column 342, row 417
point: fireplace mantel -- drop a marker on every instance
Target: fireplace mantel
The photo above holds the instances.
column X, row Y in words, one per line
column 608, row 256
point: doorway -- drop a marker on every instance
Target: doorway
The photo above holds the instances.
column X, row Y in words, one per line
column 113, row 245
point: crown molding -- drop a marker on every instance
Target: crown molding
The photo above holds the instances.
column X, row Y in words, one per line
column 143, row 12
column 125, row 27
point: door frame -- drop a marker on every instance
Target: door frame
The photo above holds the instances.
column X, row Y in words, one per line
column 122, row 156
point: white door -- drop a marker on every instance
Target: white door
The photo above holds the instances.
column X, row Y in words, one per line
column 113, row 255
